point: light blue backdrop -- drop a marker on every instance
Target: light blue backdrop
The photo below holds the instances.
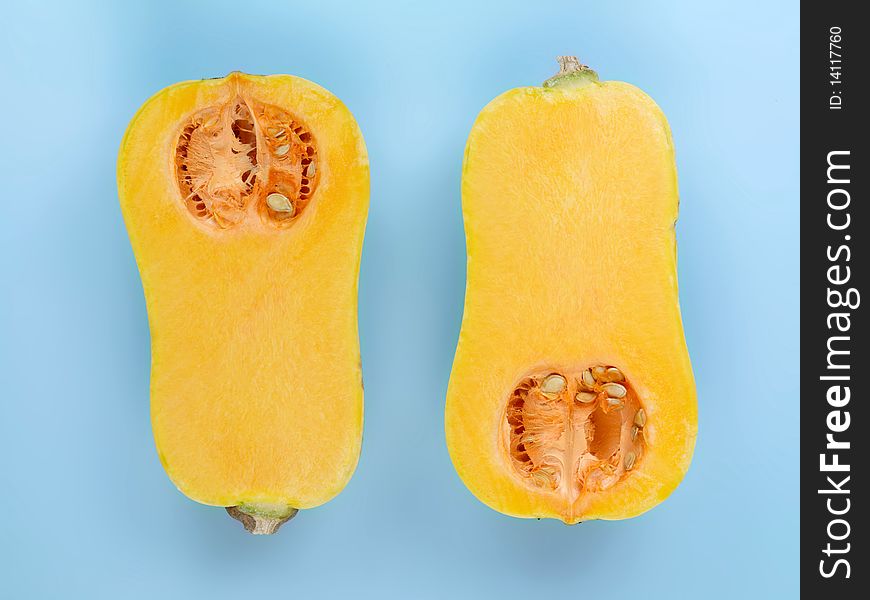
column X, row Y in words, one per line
column 87, row 511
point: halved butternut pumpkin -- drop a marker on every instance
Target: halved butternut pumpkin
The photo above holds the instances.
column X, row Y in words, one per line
column 245, row 200
column 572, row 394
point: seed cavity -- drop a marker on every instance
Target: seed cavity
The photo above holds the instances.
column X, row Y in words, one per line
column 573, row 432
column 236, row 161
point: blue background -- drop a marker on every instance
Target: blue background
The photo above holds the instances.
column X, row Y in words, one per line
column 87, row 509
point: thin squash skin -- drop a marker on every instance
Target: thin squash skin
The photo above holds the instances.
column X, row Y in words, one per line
column 569, row 198
column 256, row 384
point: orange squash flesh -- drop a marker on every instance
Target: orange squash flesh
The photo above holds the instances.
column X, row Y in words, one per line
column 256, row 385
column 569, row 197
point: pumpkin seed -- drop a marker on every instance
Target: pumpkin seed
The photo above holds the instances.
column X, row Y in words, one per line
column 613, row 374
column 640, row 418
column 311, row 169
column 588, row 379
column 615, row 390
column 615, row 403
column 282, row 149
column 598, row 372
column 629, row 460
column 280, row 203
column 634, row 431
column 553, row 385
column 586, row 397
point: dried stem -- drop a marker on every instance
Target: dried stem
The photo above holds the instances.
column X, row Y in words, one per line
column 571, row 72
column 569, row 64
column 259, row 524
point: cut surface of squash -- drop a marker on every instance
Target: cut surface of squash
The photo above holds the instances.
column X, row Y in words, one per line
column 571, row 395
column 245, row 199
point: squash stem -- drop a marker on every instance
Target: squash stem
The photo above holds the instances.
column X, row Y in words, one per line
column 571, row 72
column 261, row 520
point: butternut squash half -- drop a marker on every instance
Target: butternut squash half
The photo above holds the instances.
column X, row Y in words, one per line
column 571, row 395
column 245, row 199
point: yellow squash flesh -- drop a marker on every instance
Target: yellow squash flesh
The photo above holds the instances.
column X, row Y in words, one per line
column 256, row 384
column 569, row 197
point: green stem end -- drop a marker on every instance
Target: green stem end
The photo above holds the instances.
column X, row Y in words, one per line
column 571, row 73
column 262, row 519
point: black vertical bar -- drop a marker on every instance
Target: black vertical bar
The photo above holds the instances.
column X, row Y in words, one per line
column 834, row 362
